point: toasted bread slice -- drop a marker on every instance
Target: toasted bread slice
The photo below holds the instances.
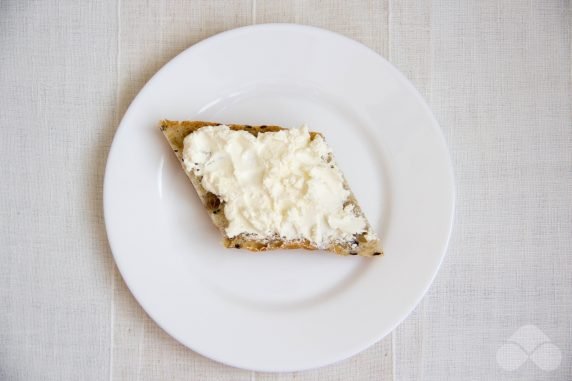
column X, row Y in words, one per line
column 364, row 243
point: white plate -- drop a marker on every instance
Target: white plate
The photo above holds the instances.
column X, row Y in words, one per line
column 284, row 310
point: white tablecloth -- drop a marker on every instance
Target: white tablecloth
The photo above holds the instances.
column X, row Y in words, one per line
column 497, row 75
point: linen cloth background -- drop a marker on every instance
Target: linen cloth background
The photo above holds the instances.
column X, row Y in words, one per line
column 497, row 74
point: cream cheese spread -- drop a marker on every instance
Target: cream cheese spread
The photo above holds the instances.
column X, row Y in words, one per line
column 277, row 184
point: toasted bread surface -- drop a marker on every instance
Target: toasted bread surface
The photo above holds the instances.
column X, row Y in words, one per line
column 175, row 133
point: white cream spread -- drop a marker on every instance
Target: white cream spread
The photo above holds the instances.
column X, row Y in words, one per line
column 276, row 184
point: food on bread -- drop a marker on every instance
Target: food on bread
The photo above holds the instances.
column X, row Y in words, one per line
column 267, row 187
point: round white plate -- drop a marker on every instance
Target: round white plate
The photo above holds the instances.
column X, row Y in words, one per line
column 283, row 310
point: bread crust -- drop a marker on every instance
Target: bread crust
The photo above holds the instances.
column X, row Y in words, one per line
column 175, row 133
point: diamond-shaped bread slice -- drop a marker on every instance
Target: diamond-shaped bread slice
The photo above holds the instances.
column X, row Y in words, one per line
column 272, row 218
